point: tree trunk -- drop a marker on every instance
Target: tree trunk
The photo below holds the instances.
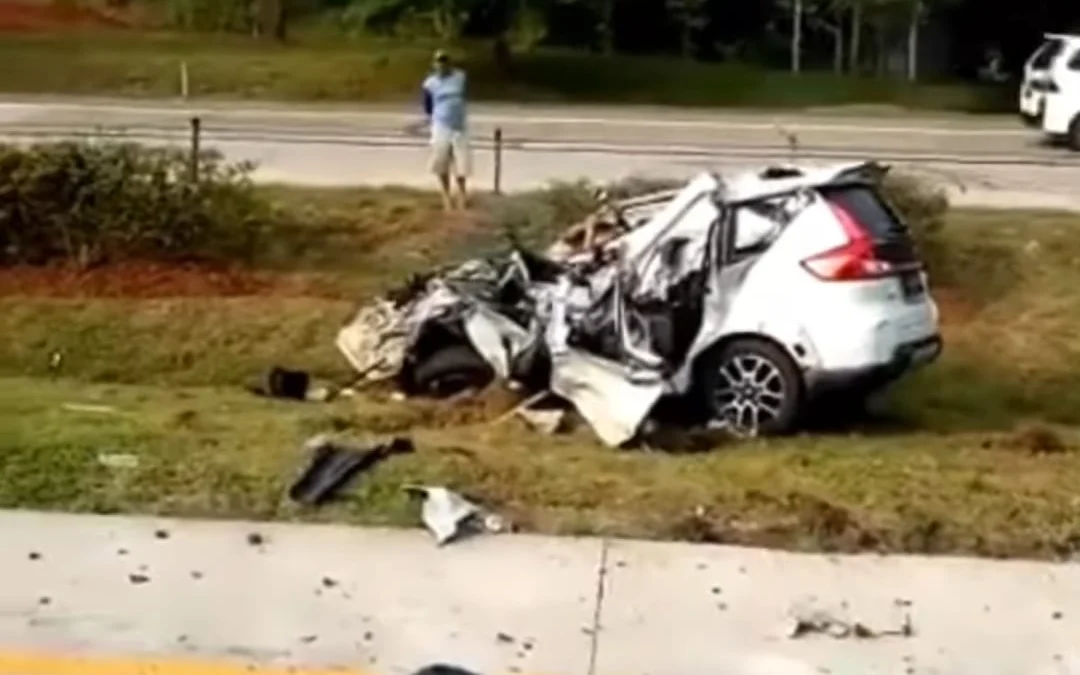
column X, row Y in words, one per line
column 502, row 54
column 796, row 37
column 255, row 18
column 272, row 19
column 281, row 28
column 913, row 41
column 856, row 38
column 838, row 48
column 882, row 49
column 607, row 28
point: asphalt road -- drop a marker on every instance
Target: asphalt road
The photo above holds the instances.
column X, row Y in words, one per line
column 91, row 595
column 981, row 160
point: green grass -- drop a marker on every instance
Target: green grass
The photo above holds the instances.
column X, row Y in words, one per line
column 217, row 452
column 230, row 67
column 978, row 454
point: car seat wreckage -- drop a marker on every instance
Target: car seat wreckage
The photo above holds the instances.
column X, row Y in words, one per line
column 614, row 317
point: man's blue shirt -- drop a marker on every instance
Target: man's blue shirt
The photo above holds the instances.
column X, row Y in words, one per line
column 444, row 99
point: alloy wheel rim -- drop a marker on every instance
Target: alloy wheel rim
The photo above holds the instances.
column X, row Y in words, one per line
column 751, row 392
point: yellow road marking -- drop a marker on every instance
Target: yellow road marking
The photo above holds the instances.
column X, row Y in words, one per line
column 41, row 663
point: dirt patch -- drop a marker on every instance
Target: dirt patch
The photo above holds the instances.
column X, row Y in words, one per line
column 150, row 280
column 24, row 17
column 466, row 408
column 480, row 407
column 956, row 307
column 427, row 233
column 1032, row 439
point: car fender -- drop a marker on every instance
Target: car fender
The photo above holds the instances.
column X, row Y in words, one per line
column 790, row 335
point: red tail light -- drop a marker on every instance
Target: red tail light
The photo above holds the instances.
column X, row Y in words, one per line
column 854, row 260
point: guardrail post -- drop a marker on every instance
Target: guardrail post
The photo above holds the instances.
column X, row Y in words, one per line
column 498, row 160
column 196, row 132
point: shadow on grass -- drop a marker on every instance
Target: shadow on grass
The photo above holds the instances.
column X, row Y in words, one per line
column 979, row 396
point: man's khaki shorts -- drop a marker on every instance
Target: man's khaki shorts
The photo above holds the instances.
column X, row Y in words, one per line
column 450, row 153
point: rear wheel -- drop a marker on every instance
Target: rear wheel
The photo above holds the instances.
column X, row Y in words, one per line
column 1074, row 134
column 752, row 387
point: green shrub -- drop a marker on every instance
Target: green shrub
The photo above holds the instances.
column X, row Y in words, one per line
column 94, row 203
column 210, row 15
column 536, row 217
column 924, row 207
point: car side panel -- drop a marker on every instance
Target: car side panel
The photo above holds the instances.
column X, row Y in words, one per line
column 842, row 326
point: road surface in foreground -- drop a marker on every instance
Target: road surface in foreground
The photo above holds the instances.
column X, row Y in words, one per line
column 112, row 596
column 988, row 162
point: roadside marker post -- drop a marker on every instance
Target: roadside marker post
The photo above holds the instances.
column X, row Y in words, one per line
column 196, row 132
column 498, row 160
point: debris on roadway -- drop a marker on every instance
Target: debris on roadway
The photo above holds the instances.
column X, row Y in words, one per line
column 294, row 385
column 806, row 620
column 742, row 298
column 118, row 460
column 90, row 408
column 449, row 516
column 333, row 465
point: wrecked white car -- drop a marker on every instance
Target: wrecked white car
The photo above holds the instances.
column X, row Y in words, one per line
column 743, row 300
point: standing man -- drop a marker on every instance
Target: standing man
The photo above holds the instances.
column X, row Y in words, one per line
column 444, row 105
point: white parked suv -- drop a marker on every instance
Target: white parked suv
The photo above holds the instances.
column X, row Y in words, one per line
column 1050, row 92
column 745, row 298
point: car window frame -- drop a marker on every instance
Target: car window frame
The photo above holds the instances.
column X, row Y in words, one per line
column 1049, row 45
column 1073, row 62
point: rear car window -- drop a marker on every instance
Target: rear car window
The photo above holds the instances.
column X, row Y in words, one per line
column 1045, row 55
column 1074, row 62
column 863, row 204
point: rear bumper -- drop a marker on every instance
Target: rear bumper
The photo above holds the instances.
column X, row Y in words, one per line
column 906, row 357
column 1059, row 113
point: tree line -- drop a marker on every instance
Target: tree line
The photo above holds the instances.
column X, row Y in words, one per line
column 849, row 36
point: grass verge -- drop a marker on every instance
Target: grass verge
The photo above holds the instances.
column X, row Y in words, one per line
column 148, row 64
column 978, row 454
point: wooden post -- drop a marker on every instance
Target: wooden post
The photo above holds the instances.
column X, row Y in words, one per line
column 498, row 160
column 184, row 83
column 196, row 132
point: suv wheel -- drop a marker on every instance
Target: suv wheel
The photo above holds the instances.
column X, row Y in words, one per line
column 451, row 370
column 1074, row 134
column 753, row 387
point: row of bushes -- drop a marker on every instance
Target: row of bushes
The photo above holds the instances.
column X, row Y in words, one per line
column 94, row 203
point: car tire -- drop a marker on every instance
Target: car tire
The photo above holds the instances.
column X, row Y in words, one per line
column 451, row 370
column 1074, row 134
column 753, row 387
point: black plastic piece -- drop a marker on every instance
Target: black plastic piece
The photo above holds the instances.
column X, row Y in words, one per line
column 292, row 384
column 333, row 466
